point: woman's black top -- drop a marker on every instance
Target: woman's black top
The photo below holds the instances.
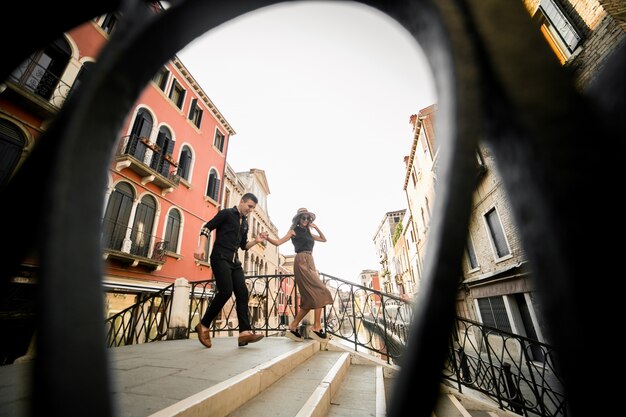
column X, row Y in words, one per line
column 303, row 240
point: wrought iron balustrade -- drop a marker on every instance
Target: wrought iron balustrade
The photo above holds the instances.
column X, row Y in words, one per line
column 145, row 321
column 121, row 238
column 518, row 373
column 38, row 80
column 155, row 162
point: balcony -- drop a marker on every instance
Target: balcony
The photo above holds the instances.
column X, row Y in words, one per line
column 149, row 161
column 37, row 89
column 132, row 247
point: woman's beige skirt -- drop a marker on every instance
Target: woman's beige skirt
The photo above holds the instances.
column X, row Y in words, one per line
column 313, row 292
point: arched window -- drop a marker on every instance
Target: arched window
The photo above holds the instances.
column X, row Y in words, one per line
column 172, row 230
column 12, row 142
column 213, row 190
column 83, row 74
column 141, row 234
column 184, row 163
column 116, row 216
column 41, row 72
column 165, row 146
column 139, row 134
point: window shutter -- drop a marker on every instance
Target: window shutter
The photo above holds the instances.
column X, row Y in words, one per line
column 216, row 191
column 184, row 164
column 181, row 99
column 192, row 108
column 169, row 147
column 161, row 139
column 199, row 118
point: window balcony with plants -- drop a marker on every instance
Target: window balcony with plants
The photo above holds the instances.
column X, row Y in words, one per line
column 147, row 159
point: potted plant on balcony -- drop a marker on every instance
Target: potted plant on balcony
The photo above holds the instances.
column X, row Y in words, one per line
column 150, row 145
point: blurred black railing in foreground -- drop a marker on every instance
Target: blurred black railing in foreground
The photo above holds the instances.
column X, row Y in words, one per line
column 497, row 82
column 516, row 372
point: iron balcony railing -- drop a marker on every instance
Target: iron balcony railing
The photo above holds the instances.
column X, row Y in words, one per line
column 38, row 80
column 121, row 238
column 158, row 161
column 518, row 373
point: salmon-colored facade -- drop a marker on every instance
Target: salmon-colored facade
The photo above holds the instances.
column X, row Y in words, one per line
column 166, row 173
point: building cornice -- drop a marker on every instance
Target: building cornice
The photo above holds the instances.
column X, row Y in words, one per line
column 205, row 99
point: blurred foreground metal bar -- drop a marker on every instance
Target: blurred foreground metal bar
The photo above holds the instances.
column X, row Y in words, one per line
column 495, row 82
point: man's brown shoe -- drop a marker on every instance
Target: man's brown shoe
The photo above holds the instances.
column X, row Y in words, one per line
column 204, row 336
column 249, row 338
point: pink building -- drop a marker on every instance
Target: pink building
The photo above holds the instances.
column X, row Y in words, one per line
column 166, row 173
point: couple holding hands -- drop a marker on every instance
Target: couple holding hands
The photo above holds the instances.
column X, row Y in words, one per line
column 231, row 228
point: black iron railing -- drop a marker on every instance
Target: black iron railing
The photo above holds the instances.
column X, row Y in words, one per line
column 145, row 321
column 518, row 373
column 119, row 237
column 158, row 160
column 38, row 80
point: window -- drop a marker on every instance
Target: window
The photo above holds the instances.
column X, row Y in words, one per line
column 139, row 135
column 557, row 29
column 161, row 78
column 497, row 233
column 161, row 158
column 109, row 22
column 172, row 230
column 141, row 235
column 213, row 190
column 184, row 163
column 116, row 216
column 177, row 94
column 471, row 255
column 493, row 313
column 218, row 142
column 41, row 73
column 83, row 74
column 12, row 143
column 226, row 197
column 195, row 113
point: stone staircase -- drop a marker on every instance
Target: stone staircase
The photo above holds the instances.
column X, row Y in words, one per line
column 317, row 380
column 275, row 377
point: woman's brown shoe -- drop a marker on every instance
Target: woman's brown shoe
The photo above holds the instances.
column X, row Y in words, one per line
column 204, row 336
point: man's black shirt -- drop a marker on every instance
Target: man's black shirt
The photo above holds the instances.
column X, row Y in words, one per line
column 230, row 234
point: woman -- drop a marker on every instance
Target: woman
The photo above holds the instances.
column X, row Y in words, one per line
column 313, row 293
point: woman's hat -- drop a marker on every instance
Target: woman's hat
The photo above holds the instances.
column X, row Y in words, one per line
column 302, row 212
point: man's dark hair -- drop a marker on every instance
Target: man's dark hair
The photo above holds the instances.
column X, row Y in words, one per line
column 250, row 196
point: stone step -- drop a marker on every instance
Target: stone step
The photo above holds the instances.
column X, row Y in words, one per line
column 305, row 391
column 223, row 398
column 357, row 395
column 451, row 403
column 276, row 377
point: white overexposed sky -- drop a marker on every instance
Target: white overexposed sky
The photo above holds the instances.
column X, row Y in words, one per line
column 319, row 95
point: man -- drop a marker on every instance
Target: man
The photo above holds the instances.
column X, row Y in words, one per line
column 231, row 226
